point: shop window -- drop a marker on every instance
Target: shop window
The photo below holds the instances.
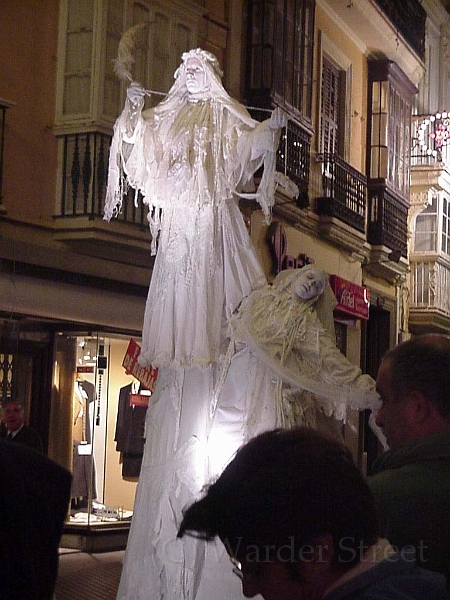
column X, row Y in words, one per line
column 97, row 429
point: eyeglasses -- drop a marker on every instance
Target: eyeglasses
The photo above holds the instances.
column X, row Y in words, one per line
column 237, row 567
column 250, row 571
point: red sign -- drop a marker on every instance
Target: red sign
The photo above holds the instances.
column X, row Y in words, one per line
column 145, row 375
column 85, row 369
column 352, row 299
column 139, row 400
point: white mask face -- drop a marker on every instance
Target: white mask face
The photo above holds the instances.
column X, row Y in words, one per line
column 196, row 78
column 309, row 284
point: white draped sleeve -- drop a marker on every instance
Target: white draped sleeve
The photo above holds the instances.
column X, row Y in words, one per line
column 259, row 149
column 127, row 135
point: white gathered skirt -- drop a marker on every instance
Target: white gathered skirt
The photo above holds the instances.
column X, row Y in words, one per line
column 185, row 449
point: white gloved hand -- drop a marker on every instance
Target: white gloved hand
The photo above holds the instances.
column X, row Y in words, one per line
column 136, row 93
column 277, row 119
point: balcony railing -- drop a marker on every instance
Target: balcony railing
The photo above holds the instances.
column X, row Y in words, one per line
column 408, row 17
column 430, row 287
column 84, row 177
column 430, row 139
column 294, row 154
column 343, row 192
column 85, row 168
column 387, row 219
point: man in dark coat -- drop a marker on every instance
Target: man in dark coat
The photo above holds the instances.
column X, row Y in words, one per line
column 16, row 430
column 411, row 482
column 34, row 499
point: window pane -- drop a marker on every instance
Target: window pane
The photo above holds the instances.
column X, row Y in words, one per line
column 425, row 238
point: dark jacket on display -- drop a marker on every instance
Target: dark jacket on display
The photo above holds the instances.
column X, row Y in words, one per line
column 129, row 435
column 411, row 486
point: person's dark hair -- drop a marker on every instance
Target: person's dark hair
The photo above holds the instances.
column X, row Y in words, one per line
column 283, row 490
column 422, row 363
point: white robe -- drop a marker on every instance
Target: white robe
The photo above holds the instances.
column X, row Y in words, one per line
column 190, row 161
column 190, row 165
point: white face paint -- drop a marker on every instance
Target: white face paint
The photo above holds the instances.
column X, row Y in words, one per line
column 196, row 77
column 309, row 284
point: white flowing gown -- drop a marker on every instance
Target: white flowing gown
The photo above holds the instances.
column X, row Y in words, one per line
column 217, row 386
column 190, row 160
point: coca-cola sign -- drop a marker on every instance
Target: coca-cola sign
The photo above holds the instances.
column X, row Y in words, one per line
column 352, row 299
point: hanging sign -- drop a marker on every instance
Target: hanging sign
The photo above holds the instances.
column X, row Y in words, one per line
column 140, row 399
column 145, row 375
column 277, row 241
column 352, row 299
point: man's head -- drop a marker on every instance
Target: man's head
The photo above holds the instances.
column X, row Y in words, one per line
column 414, row 385
column 292, row 509
column 13, row 415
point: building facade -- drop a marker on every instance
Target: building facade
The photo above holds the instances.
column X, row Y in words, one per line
column 359, row 81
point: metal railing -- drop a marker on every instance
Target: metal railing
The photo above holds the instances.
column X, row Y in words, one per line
column 408, row 18
column 293, row 155
column 85, row 167
column 343, row 192
column 430, row 139
column 84, row 178
column 387, row 219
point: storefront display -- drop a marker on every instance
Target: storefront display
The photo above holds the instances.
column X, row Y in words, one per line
column 97, row 430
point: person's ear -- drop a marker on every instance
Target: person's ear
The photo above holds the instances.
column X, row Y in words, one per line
column 419, row 407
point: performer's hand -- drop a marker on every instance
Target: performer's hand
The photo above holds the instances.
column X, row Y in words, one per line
column 135, row 93
column 277, row 119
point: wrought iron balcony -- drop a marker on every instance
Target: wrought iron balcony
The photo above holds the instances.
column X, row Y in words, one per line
column 408, row 17
column 387, row 219
column 84, row 177
column 85, row 166
column 430, row 139
column 294, row 154
column 343, row 192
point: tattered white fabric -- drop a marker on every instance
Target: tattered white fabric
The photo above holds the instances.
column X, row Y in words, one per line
column 287, row 335
column 190, row 158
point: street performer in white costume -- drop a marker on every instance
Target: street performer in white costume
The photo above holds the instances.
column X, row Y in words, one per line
column 190, row 157
column 220, row 379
